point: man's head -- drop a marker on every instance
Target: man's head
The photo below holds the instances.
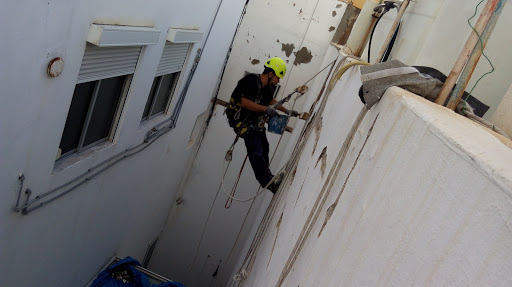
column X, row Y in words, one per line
column 275, row 69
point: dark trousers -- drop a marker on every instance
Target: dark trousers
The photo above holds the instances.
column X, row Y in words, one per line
column 257, row 150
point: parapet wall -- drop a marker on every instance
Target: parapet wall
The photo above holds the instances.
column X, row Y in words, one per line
column 407, row 193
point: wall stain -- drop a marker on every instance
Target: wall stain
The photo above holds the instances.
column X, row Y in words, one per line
column 318, row 129
column 334, row 13
column 248, row 40
column 275, row 239
column 277, row 40
column 293, row 174
column 331, row 208
column 323, row 158
column 302, row 56
column 287, row 48
column 255, row 61
column 338, row 6
column 328, row 214
column 330, row 30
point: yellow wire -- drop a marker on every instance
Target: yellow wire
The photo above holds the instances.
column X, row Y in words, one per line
column 342, row 71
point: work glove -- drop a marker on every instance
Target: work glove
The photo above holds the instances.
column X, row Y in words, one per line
column 271, row 112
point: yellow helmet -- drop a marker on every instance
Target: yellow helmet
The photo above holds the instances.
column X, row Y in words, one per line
column 278, row 65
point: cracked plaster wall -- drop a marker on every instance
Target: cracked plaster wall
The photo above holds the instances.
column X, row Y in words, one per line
column 409, row 189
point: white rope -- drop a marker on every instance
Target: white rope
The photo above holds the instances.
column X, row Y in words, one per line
column 241, row 275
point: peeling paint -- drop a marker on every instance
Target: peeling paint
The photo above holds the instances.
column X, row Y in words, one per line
column 330, row 30
column 287, row 48
column 323, row 159
column 318, row 129
column 303, row 56
column 255, row 62
column 334, row 13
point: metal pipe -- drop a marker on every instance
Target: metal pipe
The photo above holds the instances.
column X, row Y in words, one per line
column 471, row 42
column 17, row 206
column 397, row 21
column 474, row 58
column 181, row 99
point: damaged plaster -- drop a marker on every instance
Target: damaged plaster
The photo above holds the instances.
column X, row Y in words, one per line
column 287, row 48
column 255, row 61
column 302, row 56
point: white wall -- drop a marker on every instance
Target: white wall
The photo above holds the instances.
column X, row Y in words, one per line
column 419, row 196
column 123, row 209
column 201, row 232
column 433, row 34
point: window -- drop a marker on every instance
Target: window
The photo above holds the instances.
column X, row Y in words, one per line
column 103, row 80
column 167, row 75
column 160, row 95
column 92, row 113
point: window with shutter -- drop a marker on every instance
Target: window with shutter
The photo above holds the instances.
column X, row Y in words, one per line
column 168, row 72
column 103, row 79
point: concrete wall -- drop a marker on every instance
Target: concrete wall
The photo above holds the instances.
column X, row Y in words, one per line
column 201, row 231
column 433, row 34
column 408, row 193
column 123, row 209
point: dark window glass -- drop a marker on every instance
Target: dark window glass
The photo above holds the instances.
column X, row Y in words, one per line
column 104, row 109
column 150, row 98
column 76, row 116
column 164, row 93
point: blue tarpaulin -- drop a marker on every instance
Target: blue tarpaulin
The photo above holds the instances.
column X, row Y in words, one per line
column 124, row 274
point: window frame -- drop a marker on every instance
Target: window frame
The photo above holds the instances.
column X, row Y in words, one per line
column 115, row 121
column 170, row 96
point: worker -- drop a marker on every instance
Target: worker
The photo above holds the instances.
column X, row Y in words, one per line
column 252, row 99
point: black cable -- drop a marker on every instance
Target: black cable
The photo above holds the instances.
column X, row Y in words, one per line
column 391, row 44
column 371, row 36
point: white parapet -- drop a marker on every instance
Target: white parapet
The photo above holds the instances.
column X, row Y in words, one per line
column 414, row 195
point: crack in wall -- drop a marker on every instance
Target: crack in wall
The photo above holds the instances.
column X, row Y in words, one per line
column 331, row 208
column 318, row 129
column 322, row 196
column 323, row 158
column 300, row 191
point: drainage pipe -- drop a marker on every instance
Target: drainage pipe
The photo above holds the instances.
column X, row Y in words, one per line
column 471, row 43
column 177, row 109
column 361, row 29
column 392, row 31
column 474, row 58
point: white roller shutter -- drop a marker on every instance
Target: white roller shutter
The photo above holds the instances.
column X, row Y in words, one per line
column 107, row 62
column 173, row 58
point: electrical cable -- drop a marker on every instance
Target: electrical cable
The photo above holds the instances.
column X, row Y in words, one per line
column 371, row 36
